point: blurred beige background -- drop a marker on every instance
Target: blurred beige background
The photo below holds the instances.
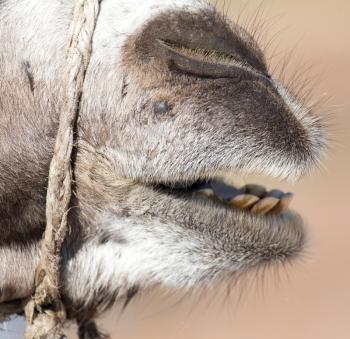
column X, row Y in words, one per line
column 311, row 299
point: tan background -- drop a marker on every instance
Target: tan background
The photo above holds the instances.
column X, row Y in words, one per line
column 310, row 300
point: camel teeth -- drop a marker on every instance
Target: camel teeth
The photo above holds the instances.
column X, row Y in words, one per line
column 265, row 205
column 223, row 191
column 208, row 192
column 253, row 189
column 253, row 197
column 275, row 194
column 244, row 201
column 284, row 203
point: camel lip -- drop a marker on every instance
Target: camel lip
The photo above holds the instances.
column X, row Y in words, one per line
column 252, row 198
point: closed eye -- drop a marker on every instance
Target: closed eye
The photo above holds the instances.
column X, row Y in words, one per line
column 208, row 63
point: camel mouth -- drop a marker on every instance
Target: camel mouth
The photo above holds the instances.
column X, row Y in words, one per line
column 252, row 198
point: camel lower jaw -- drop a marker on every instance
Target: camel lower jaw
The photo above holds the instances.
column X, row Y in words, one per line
column 220, row 213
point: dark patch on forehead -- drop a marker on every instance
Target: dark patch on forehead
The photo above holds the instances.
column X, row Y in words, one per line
column 206, row 29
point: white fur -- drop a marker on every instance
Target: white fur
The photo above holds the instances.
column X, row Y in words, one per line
column 146, row 256
column 41, row 27
column 119, row 19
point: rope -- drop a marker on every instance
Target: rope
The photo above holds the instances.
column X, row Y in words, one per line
column 45, row 312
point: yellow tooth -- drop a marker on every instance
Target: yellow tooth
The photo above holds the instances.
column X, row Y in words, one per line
column 257, row 190
column 206, row 191
column 244, row 201
column 265, row 205
column 284, row 203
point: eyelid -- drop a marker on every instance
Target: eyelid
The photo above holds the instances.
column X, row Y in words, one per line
column 212, row 57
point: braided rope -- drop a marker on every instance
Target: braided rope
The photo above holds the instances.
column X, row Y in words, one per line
column 45, row 311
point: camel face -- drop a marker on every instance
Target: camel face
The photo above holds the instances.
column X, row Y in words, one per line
column 175, row 98
column 197, row 102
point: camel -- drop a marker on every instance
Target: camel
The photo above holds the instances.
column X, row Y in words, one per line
column 176, row 98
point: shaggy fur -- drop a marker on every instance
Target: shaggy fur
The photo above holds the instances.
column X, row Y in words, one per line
column 173, row 92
